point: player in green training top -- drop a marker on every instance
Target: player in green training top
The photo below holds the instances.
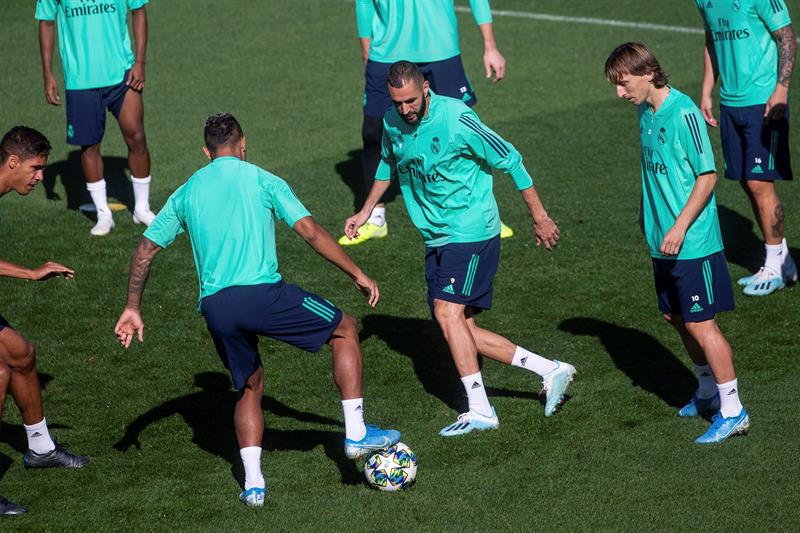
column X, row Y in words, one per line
column 442, row 155
column 100, row 73
column 751, row 46
column 229, row 209
column 679, row 220
column 425, row 33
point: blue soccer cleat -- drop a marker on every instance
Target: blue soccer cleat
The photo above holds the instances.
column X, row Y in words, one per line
column 555, row 385
column 722, row 428
column 253, row 497
column 764, row 283
column 699, row 406
column 375, row 439
column 470, row 421
column 747, row 280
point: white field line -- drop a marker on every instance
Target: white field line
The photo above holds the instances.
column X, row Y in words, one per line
column 593, row 21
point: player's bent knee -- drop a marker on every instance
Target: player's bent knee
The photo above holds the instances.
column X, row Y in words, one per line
column 25, row 360
column 348, row 328
column 136, row 141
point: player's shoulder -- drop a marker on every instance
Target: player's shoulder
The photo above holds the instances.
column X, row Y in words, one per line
column 683, row 105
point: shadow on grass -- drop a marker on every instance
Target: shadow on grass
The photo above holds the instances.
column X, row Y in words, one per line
column 209, row 413
column 69, row 170
column 422, row 342
column 649, row 365
column 742, row 240
column 351, row 171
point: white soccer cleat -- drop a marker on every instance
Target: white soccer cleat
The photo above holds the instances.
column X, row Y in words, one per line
column 470, row 421
column 555, row 385
column 143, row 216
column 105, row 223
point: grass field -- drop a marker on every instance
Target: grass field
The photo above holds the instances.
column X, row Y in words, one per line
column 156, row 420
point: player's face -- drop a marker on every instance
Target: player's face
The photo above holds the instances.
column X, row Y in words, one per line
column 634, row 89
column 27, row 173
column 410, row 100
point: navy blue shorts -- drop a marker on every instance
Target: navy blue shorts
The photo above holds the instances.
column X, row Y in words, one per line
column 86, row 112
column 463, row 273
column 697, row 289
column 235, row 316
column 753, row 149
column 3, row 323
column 447, row 78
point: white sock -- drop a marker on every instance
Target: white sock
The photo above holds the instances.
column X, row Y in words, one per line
column 98, row 192
column 378, row 216
column 141, row 193
column 706, row 386
column 476, row 394
column 354, row 427
column 530, row 361
column 729, row 399
column 251, row 459
column 775, row 256
column 39, row 438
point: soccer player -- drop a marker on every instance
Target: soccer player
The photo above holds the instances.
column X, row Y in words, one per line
column 23, row 155
column 441, row 154
column 678, row 214
column 751, row 46
column 100, row 72
column 229, row 209
column 427, row 34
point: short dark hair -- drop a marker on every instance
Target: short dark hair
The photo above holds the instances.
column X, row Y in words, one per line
column 636, row 59
column 402, row 72
column 222, row 129
column 25, row 143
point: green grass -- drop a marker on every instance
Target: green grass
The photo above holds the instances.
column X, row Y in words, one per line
column 616, row 458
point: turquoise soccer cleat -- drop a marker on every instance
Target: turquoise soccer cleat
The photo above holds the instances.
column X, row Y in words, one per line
column 253, row 497
column 747, row 280
column 375, row 439
column 722, row 428
column 555, row 385
column 700, row 406
column 765, row 282
column 470, row 421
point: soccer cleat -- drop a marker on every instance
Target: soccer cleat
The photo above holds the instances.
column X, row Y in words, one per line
column 105, row 223
column 747, row 280
column 375, row 439
column 8, row 508
column 698, row 406
column 58, row 457
column 722, row 428
column 764, row 283
column 505, row 231
column 253, row 497
column 789, row 271
column 555, row 385
column 145, row 217
column 470, row 421
column 366, row 232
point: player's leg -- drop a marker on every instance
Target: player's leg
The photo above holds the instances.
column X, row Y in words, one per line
column 705, row 399
column 20, row 356
column 556, row 375
column 7, row 508
column 128, row 106
column 248, row 420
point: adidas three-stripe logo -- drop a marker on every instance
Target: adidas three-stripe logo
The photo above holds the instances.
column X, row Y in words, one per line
column 319, row 309
column 694, row 129
column 776, row 5
column 491, row 139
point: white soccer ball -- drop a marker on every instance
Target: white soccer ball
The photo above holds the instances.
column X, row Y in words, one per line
column 392, row 469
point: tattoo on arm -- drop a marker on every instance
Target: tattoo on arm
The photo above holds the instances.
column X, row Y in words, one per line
column 777, row 226
column 787, row 45
column 140, row 269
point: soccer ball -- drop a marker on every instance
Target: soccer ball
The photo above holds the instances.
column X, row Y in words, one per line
column 392, row 469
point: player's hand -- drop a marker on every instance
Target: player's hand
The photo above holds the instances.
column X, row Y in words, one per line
column 546, row 232
column 49, row 270
column 352, row 224
column 51, row 90
column 130, row 322
column 776, row 105
column 369, row 288
column 707, row 108
column 136, row 77
column 673, row 241
column 494, row 61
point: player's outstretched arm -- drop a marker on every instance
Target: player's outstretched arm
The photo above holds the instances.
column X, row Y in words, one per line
column 710, row 74
column 787, row 53
column 703, row 187
column 46, row 39
column 46, row 271
column 351, row 225
column 130, row 321
column 136, row 75
column 321, row 241
column 544, row 228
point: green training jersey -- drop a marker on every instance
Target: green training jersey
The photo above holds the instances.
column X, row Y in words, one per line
column 444, row 166
column 93, row 39
column 420, row 31
column 675, row 150
column 229, row 209
column 747, row 55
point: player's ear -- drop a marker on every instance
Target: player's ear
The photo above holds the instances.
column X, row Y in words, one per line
column 207, row 152
column 425, row 86
column 12, row 161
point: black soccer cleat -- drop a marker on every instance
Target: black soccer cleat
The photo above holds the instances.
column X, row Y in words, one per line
column 59, row 457
column 8, row 508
